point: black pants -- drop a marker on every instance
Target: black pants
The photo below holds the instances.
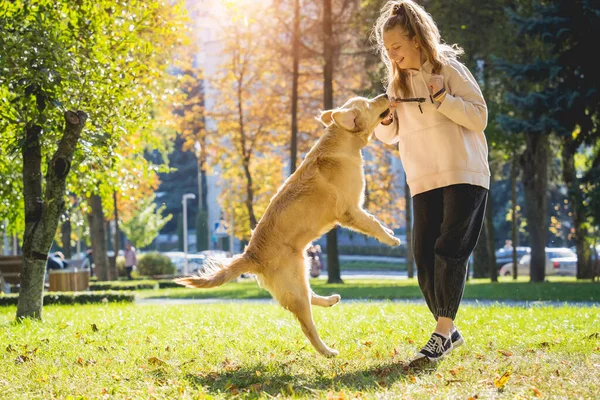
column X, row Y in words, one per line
column 129, row 270
column 447, row 223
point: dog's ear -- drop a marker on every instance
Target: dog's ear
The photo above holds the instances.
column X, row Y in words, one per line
column 325, row 117
column 346, row 118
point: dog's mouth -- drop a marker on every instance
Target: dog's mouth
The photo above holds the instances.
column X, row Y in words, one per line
column 385, row 113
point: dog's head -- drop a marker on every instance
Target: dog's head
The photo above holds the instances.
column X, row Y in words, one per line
column 359, row 115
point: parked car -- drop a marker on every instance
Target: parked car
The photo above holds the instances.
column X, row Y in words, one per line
column 195, row 260
column 559, row 261
column 504, row 255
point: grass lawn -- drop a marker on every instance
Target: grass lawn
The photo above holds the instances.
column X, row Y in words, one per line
column 557, row 289
column 258, row 351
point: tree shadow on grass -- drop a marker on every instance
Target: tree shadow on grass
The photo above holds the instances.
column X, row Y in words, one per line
column 251, row 382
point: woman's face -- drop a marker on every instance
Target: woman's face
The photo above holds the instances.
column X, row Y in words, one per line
column 404, row 52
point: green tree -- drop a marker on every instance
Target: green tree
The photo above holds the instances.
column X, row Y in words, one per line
column 146, row 223
column 58, row 57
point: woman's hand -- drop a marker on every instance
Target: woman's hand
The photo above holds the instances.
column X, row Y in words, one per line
column 389, row 119
column 436, row 83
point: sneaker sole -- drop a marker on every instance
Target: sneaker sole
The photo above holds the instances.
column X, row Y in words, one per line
column 458, row 343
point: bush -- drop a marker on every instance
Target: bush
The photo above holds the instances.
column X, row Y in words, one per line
column 167, row 283
column 155, row 264
column 70, row 298
column 124, row 285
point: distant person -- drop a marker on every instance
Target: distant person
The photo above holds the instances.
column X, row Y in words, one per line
column 130, row 259
column 88, row 261
column 55, row 261
column 508, row 244
column 314, row 256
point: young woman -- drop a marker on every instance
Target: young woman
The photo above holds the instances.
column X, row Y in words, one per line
column 438, row 122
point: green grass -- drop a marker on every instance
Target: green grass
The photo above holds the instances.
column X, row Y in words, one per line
column 558, row 289
column 258, row 351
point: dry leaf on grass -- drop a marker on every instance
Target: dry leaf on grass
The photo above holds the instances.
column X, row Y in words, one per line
column 501, row 382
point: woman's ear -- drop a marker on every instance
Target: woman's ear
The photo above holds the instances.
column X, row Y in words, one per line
column 346, row 119
column 325, row 117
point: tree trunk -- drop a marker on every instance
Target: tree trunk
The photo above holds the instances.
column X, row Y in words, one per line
column 584, row 268
column 295, row 73
column 98, row 236
column 65, row 238
column 515, row 242
column 534, row 164
column 490, row 238
column 410, row 263
column 116, row 239
column 43, row 213
column 333, row 260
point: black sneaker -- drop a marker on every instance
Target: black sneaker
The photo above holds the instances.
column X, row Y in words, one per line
column 437, row 347
column 457, row 339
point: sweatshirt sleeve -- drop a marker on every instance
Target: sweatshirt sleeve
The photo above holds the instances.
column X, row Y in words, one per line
column 464, row 103
column 388, row 133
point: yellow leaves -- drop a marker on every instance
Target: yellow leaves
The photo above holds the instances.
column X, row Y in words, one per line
column 331, row 395
column 536, row 392
column 502, row 381
column 156, row 361
column 456, row 370
column 412, row 378
column 505, row 353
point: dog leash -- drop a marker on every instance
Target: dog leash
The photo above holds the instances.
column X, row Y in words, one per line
column 418, row 100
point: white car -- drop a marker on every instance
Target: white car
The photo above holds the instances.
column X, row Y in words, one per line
column 559, row 261
column 195, row 260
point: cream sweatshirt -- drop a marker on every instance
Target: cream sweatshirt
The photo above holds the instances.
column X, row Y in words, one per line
column 443, row 144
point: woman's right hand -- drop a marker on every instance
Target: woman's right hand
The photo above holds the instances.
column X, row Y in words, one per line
column 389, row 119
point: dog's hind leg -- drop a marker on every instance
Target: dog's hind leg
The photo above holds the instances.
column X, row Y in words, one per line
column 293, row 293
column 324, row 301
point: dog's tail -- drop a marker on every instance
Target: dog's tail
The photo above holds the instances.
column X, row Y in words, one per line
column 215, row 273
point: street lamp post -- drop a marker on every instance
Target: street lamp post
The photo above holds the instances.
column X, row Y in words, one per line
column 185, row 230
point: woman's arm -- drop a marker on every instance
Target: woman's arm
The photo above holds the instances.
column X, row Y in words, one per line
column 463, row 102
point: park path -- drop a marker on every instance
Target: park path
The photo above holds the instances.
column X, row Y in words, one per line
column 465, row 302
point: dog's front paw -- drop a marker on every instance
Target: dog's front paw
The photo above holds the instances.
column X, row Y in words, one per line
column 393, row 241
column 329, row 352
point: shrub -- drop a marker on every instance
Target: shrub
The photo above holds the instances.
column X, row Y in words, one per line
column 155, row 264
column 167, row 283
column 70, row 298
column 124, row 285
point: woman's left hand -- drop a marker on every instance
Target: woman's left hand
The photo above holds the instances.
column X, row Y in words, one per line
column 436, row 83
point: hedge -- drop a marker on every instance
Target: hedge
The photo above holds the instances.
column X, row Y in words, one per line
column 71, row 298
column 124, row 285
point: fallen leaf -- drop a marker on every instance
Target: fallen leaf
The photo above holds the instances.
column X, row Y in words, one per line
column 95, row 328
column 79, row 360
column 257, row 373
column 594, row 336
column 501, row 382
column 456, row 371
column 9, row 348
column 412, row 378
column 156, row 361
column 116, row 377
column 474, row 397
column 505, row 353
column 367, row 343
column 536, row 391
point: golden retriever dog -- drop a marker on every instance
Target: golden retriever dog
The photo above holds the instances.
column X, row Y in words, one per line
column 327, row 189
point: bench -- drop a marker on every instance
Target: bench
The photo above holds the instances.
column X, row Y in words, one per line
column 10, row 270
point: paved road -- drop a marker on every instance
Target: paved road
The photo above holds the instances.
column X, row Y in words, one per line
column 465, row 302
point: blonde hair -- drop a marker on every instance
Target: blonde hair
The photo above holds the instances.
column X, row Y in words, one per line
column 415, row 22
